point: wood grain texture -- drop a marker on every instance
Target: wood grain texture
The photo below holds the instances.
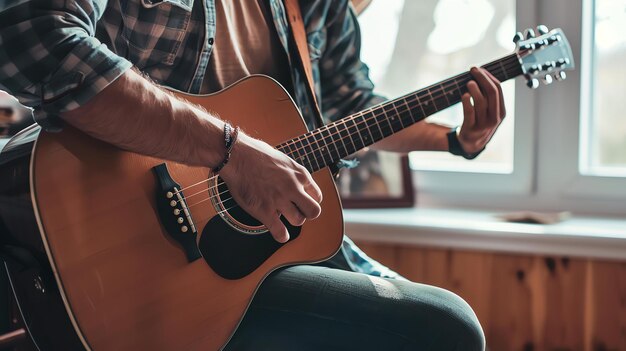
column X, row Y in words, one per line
column 525, row 302
column 127, row 284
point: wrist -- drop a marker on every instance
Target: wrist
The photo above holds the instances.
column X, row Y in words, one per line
column 456, row 148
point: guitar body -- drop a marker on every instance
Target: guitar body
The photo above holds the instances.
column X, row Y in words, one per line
column 126, row 282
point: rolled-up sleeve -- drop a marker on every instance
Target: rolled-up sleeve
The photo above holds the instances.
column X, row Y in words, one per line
column 49, row 57
column 346, row 85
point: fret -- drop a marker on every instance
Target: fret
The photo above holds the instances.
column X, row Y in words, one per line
column 390, row 116
column 311, row 150
column 339, row 136
column 377, row 118
column 409, row 113
column 506, row 76
column 345, row 136
column 346, row 129
column 363, row 125
column 389, row 121
column 399, row 113
column 458, row 89
column 433, row 100
column 330, row 143
column 354, row 131
column 292, row 153
column 426, row 105
column 300, row 153
column 324, row 150
column 444, row 93
column 419, row 103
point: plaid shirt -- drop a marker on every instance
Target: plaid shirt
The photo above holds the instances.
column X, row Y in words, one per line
column 56, row 54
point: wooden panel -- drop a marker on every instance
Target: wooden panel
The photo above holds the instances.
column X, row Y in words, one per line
column 608, row 306
column 525, row 302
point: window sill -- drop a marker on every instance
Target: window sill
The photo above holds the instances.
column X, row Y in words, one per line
column 592, row 237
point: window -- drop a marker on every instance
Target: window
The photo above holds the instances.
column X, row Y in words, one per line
column 561, row 147
column 603, row 132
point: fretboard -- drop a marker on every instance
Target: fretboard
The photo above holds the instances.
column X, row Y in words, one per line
column 327, row 145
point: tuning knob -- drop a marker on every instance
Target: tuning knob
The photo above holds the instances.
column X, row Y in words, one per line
column 548, row 66
column 560, row 62
column 560, row 76
column 533, row 83
column 530, row 33
column 533, row 69
column 518, row 36
column 542, row 29
column 547, row 79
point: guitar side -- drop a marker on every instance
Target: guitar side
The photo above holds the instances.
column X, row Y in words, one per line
column 126, row 283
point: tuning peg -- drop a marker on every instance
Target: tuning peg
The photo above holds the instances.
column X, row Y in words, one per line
column 547, row 79
column 518, row 36
column 549, row 65
column 562, row 61
column 542, row 29
column 533, row 69
column 533, row 83
column 560, row 76
column 530, row 33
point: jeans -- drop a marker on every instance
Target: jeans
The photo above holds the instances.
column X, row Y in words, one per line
column 321, row 308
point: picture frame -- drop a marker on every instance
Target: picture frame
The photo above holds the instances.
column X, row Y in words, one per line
column 380, row 180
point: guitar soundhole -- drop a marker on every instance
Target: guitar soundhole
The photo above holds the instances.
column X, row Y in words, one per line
column 231, row 212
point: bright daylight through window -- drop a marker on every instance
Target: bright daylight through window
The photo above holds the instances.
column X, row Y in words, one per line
column 603, row 126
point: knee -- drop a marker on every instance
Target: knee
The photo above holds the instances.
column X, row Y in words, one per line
column 461, row 325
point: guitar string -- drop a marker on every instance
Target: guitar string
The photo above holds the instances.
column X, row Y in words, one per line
column 308, row 153
column 408, row 104
column 364, row 120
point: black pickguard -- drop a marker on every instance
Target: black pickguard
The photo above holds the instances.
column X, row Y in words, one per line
column 232, row 254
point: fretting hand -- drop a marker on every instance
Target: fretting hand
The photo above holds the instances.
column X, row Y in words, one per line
column 484, row 116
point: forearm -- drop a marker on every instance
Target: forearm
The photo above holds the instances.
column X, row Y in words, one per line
column 134, row 114
column 421, row 136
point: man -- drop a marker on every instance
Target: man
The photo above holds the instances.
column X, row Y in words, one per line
column 50, row 59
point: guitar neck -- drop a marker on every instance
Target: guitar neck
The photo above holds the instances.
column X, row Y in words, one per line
column 328, row 144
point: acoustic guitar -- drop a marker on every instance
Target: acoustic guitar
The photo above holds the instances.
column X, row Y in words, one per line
column 111, row 250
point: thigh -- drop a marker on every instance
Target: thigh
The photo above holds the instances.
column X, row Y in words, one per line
column 320, row 308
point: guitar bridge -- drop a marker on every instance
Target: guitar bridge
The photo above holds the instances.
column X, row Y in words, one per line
column 174, row 213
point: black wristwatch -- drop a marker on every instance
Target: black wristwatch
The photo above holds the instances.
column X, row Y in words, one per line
column 455, row 148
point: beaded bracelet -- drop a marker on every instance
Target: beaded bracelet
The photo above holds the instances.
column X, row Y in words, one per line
column 230, row 137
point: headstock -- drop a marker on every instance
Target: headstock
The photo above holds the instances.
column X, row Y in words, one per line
column 545, row 57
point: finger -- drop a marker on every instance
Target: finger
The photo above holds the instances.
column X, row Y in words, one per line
column 480, row 103
column 276, row 227
column 469, row 116
column 314, row 191
column 499, row 85
column 309, row 184
column 292, row 214
column 310, row 208
column 490, row 92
